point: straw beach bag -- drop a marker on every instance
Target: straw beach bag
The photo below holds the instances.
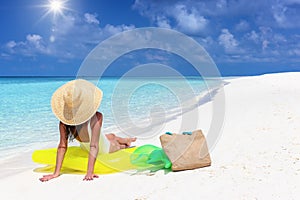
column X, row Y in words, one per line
column 186, row 151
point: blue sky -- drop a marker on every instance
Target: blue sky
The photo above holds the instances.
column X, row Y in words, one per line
column 243, row 37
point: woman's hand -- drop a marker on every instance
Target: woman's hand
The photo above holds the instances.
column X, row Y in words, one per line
column 48, row 177
column 90, row 177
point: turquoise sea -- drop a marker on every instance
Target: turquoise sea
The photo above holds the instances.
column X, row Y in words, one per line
column 27, row 122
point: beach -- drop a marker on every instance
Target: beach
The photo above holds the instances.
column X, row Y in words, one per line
column 256, row 156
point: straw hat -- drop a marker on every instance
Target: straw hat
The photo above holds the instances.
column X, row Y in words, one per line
column 76, row 102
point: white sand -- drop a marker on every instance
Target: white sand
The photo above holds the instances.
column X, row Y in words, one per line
column 257, row 156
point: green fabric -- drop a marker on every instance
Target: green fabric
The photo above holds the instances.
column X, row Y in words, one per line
column 150, row 157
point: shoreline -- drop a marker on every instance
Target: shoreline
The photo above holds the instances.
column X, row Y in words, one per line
column 256, row 156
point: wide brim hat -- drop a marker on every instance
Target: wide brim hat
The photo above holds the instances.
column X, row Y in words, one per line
column 76, row 101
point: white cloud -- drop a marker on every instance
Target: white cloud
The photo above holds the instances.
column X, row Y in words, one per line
column 180, row 15
column 279, row 14
column 256, row 27
column 157, row 56
column 70, row 37
column 189, row 20
column 33, row 44
column 74, row 35
column 242, row 26
column 278, row 38
column 91, row 18
column 286, row 14
column 253, row 36
column 221, row 4
column 163, row 22
column 116, row 29
column 35, row 40
column 265, row 44
column 66, row 24
column 294, row 52
column 11, row 44
column 273, row 13
column 269, row 43
column 227, row 40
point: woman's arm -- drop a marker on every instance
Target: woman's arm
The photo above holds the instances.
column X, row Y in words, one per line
column 61, row 150
column 94, row 146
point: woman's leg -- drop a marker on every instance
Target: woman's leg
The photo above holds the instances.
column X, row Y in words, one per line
column 125, row 141
column 117, row 143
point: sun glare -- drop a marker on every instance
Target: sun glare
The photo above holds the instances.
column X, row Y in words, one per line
column 56, row 9
column 56, row 6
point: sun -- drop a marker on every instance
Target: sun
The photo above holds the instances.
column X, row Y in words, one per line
column 56, row 6
column 55, row 10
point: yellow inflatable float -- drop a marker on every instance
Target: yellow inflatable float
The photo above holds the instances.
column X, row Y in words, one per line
column 146, row 157
column 76, row 160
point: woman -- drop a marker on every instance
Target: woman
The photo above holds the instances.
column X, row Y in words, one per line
column 75, row 104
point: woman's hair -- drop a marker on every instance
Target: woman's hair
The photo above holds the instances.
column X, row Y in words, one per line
column 72, row 132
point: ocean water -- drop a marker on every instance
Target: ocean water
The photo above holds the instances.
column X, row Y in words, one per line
column 27, row 122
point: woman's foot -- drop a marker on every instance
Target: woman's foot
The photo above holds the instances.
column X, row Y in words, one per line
column 115, row 146
column 117, row 143
column 129, row 141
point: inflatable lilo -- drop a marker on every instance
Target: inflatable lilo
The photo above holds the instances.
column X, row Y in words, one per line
column 146, row 157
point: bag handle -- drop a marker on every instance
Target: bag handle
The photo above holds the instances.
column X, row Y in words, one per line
column 184, row 133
